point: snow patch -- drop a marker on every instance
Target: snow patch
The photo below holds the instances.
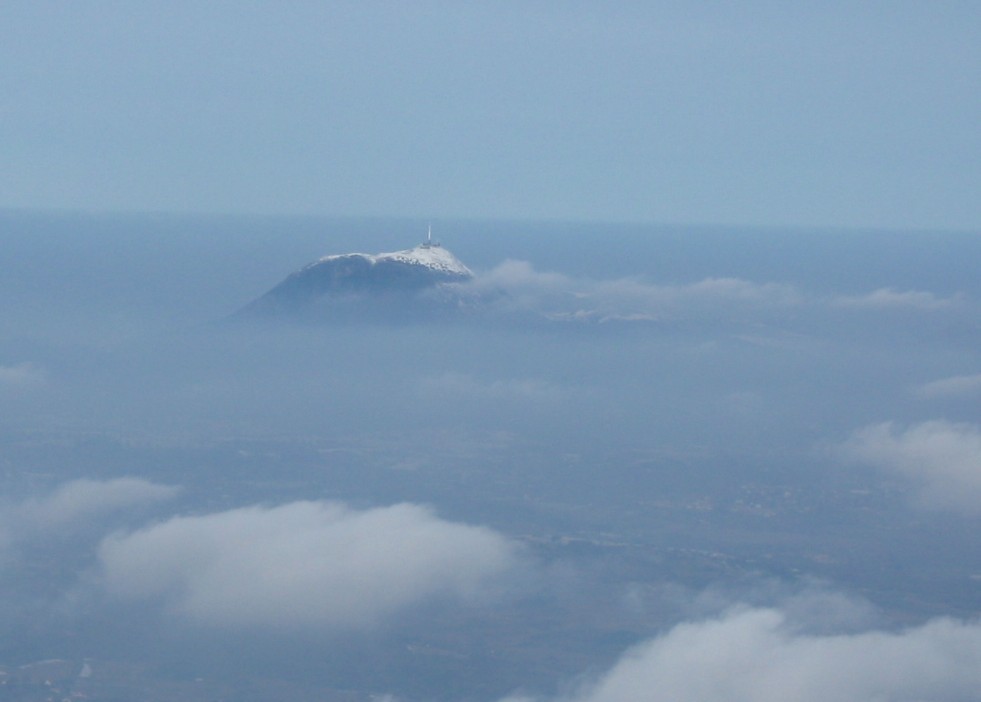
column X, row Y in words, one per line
column 433, row 257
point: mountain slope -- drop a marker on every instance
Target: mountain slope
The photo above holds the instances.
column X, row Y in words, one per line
column 421, row 281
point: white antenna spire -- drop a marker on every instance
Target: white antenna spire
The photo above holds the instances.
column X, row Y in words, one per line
column 429, row 243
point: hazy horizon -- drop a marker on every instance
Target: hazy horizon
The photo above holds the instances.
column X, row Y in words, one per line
column 760, row 115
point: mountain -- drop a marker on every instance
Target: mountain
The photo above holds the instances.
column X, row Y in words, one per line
column 421, row 282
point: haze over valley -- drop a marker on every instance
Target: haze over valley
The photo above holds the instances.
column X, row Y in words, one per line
column 664, row 438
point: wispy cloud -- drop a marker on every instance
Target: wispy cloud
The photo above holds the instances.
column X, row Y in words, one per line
column 302, row 564
column 82, row 500
column 890, row 298
column 563, row 297
column 942, row 459
column 958, row 385
column 21, row 375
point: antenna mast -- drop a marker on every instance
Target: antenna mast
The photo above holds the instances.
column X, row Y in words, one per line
column 429, row 243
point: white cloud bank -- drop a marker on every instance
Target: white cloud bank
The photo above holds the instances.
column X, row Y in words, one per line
column 943, row 459
column 757, row 655
column 302, row 564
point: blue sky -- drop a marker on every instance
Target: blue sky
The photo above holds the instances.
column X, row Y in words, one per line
column 754, row 113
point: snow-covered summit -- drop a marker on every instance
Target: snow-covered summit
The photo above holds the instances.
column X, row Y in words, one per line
column 398, row 284
column 431, row 256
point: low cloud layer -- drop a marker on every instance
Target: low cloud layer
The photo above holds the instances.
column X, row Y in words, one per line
column 302, row 564
column 942, row 459
column 758, row 655
column 559, row 296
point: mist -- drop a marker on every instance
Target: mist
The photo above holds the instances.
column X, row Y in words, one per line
column 534, row 500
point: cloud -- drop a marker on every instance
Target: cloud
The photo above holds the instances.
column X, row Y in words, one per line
column 735, row 289
column 954, row 386
column 562, row 297
column 890, row 298
column 22, row 375
column 759, row 655
column 302, row 564
column 515, row 275
column 943, row 460
column 81, row 500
